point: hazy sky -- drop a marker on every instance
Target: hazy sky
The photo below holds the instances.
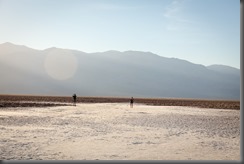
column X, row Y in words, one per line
column 200, row 31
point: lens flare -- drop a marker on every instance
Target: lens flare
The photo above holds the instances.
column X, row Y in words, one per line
column 60, row 64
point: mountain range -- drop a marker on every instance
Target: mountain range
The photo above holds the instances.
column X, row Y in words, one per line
column 56, row 71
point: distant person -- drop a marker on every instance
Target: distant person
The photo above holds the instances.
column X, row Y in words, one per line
column 74, row 99
column 131, row 102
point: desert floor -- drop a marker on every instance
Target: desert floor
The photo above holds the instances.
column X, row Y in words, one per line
column 114, row 131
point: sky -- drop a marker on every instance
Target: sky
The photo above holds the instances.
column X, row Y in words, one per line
column 201, row 31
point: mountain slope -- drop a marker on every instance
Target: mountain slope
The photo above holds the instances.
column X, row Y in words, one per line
column 111, row 73
column 224, row 69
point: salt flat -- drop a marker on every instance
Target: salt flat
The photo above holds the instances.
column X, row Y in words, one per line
column 114, row 131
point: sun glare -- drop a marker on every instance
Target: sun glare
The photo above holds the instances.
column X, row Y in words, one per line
column 60, row 65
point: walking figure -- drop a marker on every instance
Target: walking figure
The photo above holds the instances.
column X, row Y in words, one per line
column 131, row 102
column 74, row 98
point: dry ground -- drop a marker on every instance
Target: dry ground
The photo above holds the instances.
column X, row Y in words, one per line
column 114, row 131
column 28, row 101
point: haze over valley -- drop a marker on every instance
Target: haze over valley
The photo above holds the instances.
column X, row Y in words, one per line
column 56, row 71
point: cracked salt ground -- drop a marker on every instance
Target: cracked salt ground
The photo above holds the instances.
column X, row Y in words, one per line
column 116, row 131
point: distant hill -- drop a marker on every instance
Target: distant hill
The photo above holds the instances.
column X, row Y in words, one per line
column 224, row 69
column 56, row 71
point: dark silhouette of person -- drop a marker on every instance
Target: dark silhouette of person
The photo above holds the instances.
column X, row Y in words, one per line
column 74, row 99
column 131, row 102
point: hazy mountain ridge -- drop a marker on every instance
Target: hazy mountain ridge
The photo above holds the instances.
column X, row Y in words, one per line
column 114, row 73
column 224, row 69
